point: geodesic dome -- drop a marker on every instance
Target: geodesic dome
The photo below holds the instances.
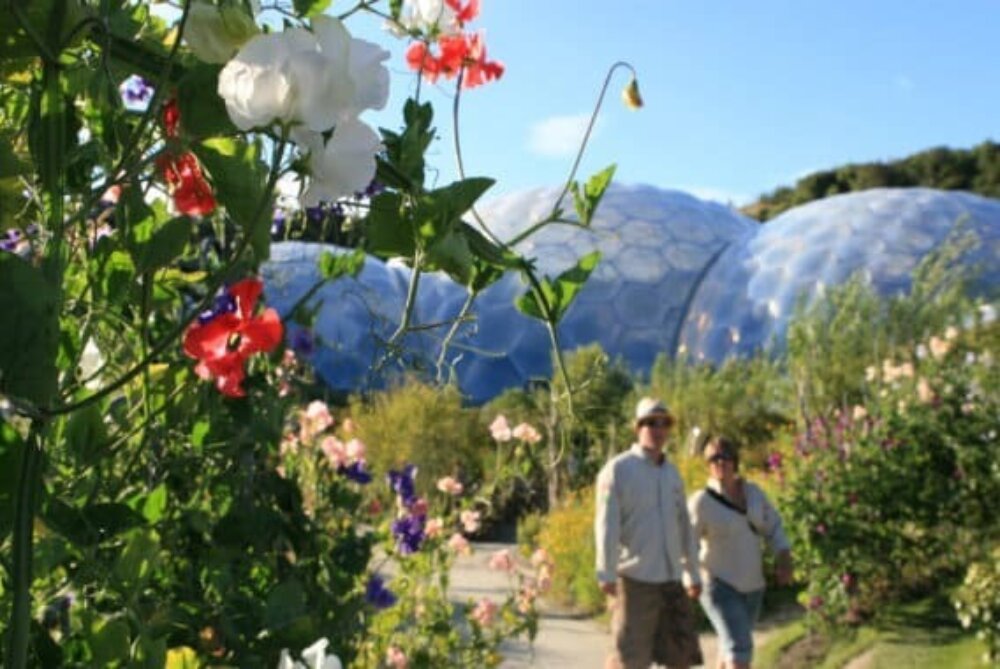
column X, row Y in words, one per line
column 748, row 296
column 676, row 273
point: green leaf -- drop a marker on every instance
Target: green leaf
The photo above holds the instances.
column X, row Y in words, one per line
column 239, row 178
column 404, row 168
column 119, row 277
column 85, row 434
column 441, row 210
column 332, row 266
column 285, row 603
column 559, row 294
column 388, row 234
column 109, row 643
column 10, row 164
column 202, row 109
column 310, row 8
column 586, row 202
column 155, row 504
column 451, row 254
column 139, row 559
column 199, row 432
column 91, row 524
column 155, row 246
column 29, row 339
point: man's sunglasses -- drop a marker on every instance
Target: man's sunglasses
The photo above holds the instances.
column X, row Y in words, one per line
column 656, row 422
column 721, row 457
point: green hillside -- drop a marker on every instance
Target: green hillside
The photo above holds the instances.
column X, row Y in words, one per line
column 976, row 170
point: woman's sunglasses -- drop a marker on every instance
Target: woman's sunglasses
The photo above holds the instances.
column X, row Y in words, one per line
column 720, row 457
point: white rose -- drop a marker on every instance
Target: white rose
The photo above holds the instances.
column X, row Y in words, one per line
column 214, row 34
column 342, row 166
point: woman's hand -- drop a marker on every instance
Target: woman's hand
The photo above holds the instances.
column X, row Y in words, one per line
column 783, row 569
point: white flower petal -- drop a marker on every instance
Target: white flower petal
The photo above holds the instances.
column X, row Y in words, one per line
column 345, row 165
column 369, row 75
column 314, row 654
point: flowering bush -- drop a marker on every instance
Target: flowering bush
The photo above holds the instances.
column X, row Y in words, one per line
column 977, row 602
column 890, row 496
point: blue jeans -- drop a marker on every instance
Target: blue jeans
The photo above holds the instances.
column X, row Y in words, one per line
column 733, row 614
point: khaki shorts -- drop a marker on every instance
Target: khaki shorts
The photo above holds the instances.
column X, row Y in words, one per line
column 654, row 622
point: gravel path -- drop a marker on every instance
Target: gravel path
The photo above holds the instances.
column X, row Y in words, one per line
column 563, row 642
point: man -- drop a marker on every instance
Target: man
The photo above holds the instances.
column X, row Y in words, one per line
column 647, row 555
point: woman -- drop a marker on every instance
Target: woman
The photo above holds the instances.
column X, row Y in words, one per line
column 730, row 518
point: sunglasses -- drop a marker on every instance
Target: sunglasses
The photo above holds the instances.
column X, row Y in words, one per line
column 656, row 422
column 720, row 457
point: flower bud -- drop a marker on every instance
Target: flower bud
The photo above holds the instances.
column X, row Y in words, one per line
column 631, row 96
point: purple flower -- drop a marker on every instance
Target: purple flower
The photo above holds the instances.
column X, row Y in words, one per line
column 355, row 472
column 409, row 533
column 377, row 594
column 402, row 484
column 136, row 90
column 278, row 223
column 815, row 603
column 224, row 304
column 303, row 342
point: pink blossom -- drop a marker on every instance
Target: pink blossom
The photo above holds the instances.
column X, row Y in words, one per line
column 774, row 462
column 333, row 449
column 500, row 429
column 434, row 528
column 396, row 658
column 318, row 413
column 540, row 557
column 356, row 449
column 449, row 485
column 459, row 544
column 485, row 612
column 820, row 529
column 816, row 602
column 527, row 433
column 544, row 578
column 502, row 561
column 289, row 444
column 471, row 520
column 419, row 507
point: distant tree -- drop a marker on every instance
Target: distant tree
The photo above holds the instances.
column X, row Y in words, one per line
column 976, row 170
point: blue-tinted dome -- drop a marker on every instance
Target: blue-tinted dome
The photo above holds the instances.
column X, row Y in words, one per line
column 748, row 295
column 676, row 273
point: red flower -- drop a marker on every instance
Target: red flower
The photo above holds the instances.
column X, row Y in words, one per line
column 465, row 13
column 478, row 69
column 222, row 345
column 171, row 117
column 456, row 52
column 187, row 184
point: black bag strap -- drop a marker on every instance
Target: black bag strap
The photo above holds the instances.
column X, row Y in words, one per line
column 728, row 503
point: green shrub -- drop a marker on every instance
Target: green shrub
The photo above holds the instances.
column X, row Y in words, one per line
column 977, row 602
column 568, row 536
column 418, row 423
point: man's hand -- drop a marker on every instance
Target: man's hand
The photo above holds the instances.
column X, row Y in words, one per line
column 609, row 589
column 694, row 591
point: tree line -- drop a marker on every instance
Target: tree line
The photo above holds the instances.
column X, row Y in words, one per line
column 976, row 170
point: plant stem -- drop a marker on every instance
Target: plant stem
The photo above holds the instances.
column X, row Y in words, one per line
column 586, row 135
column 28, row 482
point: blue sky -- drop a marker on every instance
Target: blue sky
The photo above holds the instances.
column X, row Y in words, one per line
column 740, row 97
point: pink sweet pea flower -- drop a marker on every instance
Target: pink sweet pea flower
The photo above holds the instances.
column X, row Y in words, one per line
column 471, row 520
column 485, row 612
column 459, row 544
column 500, row 429
column 540, row 557
column 396, row 658
column 333, row 449
column 450, row 486
column 434, row 528
column 356, row 449
column 526, row 433
column 502, row 561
